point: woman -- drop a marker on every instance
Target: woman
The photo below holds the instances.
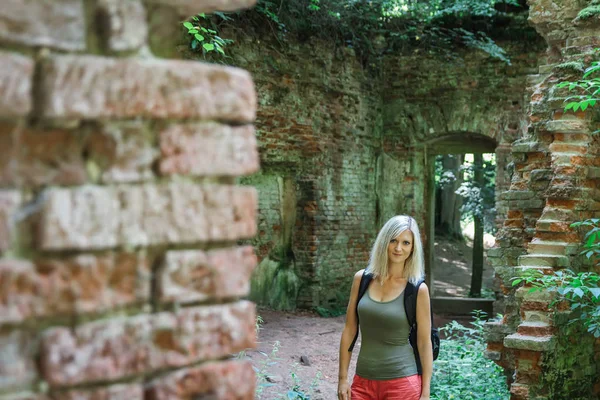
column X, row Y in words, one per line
column 386, row 366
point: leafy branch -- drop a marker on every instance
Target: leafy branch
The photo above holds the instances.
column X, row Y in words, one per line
column 204, row 36
column 588, row 88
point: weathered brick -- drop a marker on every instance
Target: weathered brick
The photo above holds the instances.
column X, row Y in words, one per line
column 9, row 204
column 148, row 88
column 117, row 348
column 24, row 395
column 121, row 152
column 124, row 24
column 58, row 24
column 80, row 284
column 208, row 149
column 134, row 391
column 38, row 157
column 16, row 76
column 17, row 366
column 193, row 275
column 222, row 381
column 190, row 7
column 92, row 217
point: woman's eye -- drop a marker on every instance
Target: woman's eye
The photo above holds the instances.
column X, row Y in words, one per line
column 406, row 243
column 393, row 241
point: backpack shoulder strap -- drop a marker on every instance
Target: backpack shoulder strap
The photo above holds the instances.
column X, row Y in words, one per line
column 365, row 280
column 410, row 302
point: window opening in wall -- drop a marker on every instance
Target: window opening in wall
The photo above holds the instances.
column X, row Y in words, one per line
column 464, row 224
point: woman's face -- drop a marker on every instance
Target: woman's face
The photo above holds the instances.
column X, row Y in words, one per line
column 400, row 248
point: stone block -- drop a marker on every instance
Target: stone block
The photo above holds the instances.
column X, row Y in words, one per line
column 16, row 80
column 58, row 24
column 568, row 126
column 124, row 347
column 37, row 157
column 121, row 152
column 134, row 391
column 10, row 201
column 174, row 213
column 194, row 275
column 17, row 364
column 150, row 88
column 187, row 8
column 517, row 195
column 124, row 24
column 24, row 395
column 544, row 260
column 524, row 342
column 218, row 381
column 79, row 284
column 208, row 149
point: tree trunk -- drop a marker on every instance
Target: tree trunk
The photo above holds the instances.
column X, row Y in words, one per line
column 450, row 202
column 477, row 271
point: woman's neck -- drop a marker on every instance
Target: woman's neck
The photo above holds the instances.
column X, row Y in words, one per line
column 396, row 271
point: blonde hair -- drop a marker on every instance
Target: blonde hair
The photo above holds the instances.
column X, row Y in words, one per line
column 378, row 262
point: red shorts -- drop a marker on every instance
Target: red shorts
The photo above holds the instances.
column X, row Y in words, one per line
column 407, row 388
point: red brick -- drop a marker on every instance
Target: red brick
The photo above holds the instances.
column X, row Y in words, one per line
column 80, row 284
column 90, row 87
column 121, row 347
column 17, row 363
column 93, row 217
column 194, row 275
column 122, row 152
column 16, row 76
column 133, row 391
column 33, row 158
column 208, row 149
column 124, row 24
column 58, row 24
column 9, row 204
column 219, row 381
column 190, row 7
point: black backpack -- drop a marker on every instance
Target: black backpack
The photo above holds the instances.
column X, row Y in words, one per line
column 410, row 306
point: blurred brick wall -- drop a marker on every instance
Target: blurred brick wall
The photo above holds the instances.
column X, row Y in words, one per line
column 120, row 277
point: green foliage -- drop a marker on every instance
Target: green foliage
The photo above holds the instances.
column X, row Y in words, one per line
column 479, row 200
column 330, row 312
column 462, row 372
column 375, row 27
column 589, row 12
column 588, row 88
column 581, row 290
column 204, row 36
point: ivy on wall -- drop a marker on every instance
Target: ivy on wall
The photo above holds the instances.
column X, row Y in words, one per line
column 376, row 27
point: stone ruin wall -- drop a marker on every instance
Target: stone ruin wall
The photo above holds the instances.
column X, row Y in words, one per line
column 343, row 149
column 120, row 274
column 556, row 181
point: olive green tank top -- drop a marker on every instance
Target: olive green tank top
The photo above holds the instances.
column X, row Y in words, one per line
column 385, row 352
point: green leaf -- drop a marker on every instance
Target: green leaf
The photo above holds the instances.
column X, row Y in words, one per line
column 595, row 292
column 584, row 105
column 204, row 29
column 199, row 37
column 576, row 107
column 212, row 31
column 570, row 105
column 516, row 282
column 578, row 292
column 208, row 46
column 188, row 25
column 192, row 31
column 220, row 50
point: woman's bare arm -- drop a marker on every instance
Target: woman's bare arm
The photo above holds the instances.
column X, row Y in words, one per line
column 350, row 329
column 424, row 339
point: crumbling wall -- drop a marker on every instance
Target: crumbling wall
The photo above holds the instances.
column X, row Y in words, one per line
column 119, row 212
column 555, row 182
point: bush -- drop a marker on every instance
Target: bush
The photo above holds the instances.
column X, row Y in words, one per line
column 461, row 371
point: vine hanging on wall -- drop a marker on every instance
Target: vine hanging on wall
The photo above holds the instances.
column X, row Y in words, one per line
column 204, row 35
